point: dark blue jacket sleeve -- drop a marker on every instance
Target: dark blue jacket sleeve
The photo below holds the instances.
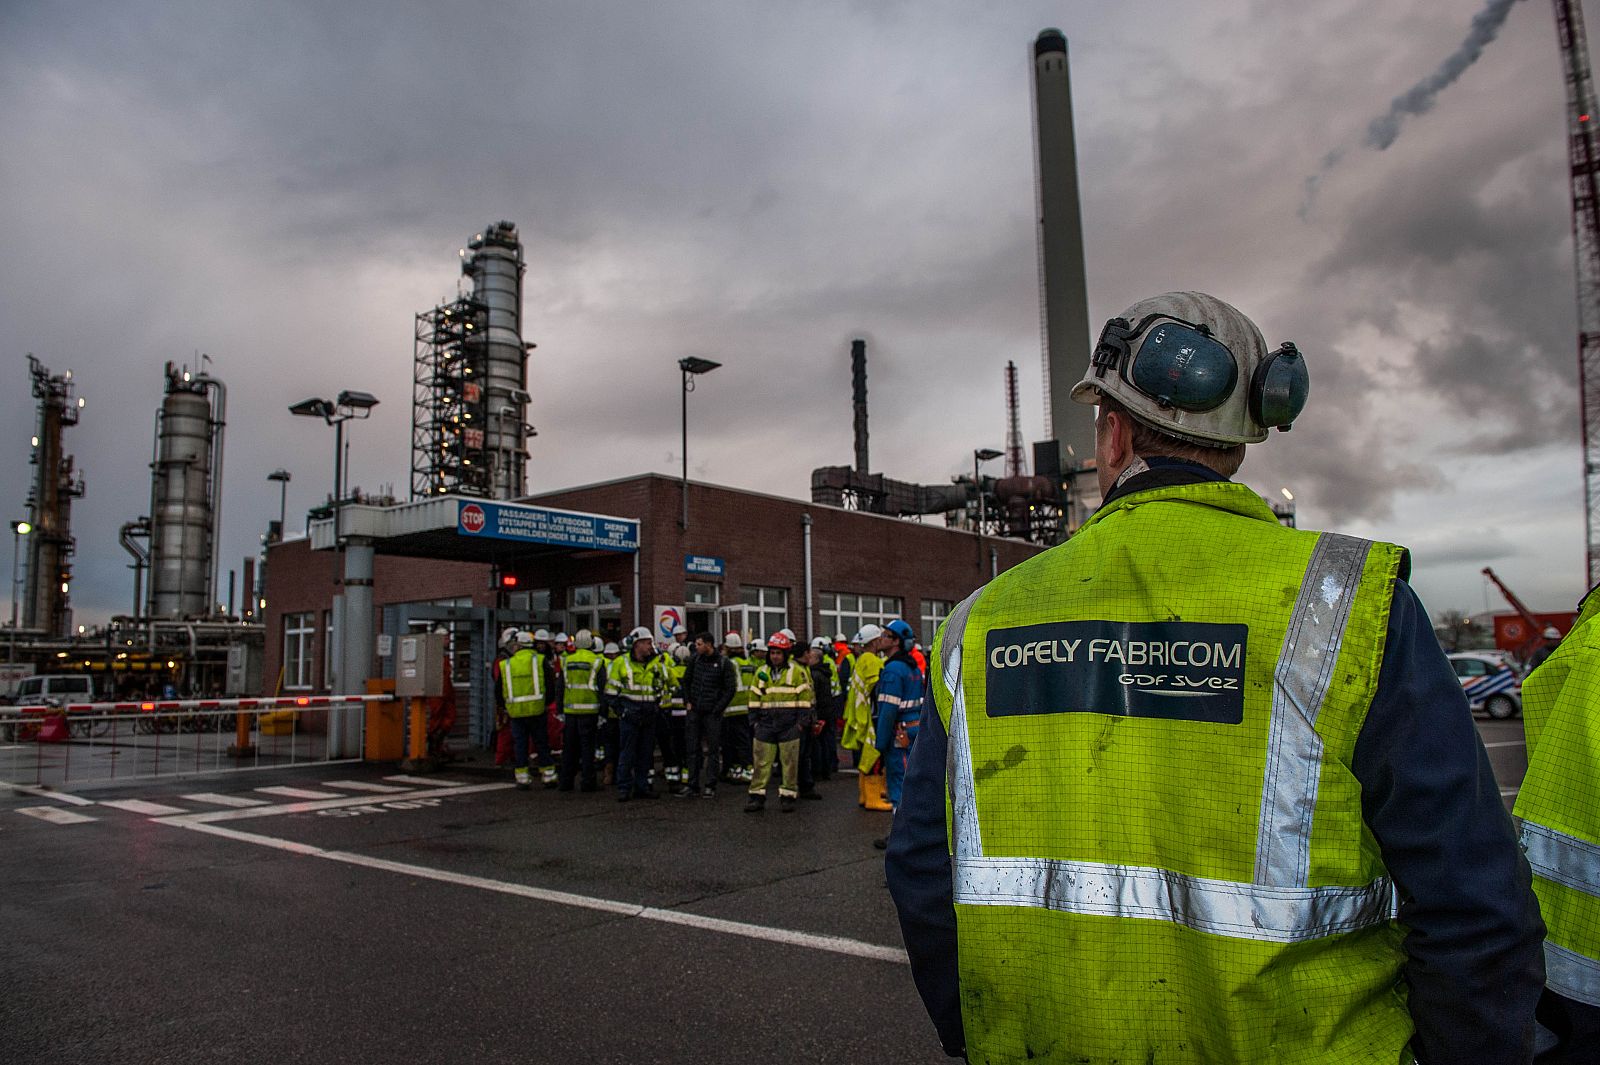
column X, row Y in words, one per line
column 1474, row 938
column 918, row 870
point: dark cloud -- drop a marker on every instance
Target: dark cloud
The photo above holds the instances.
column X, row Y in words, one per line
column 285, row 186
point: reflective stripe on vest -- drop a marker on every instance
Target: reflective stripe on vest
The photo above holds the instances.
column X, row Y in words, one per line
column 633, row 680
column 790, row 690
column 1278, row 906
column 1574, row 863
column 581, row 691
column 522, row 679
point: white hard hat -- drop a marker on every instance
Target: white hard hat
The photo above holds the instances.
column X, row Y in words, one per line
column 526, row 639
column 597, row 644
column 583, row 637
column 612, row 649
column 758, row 644
column 734, row 640
column 840, row 637
column 867, row 633
column 541, row 635
column 560, row 637
column 1551, row 633
column 1192, row 366
column 640, row 633
column 680, row 629
column 820, row 643
column 681, row 653
column 509, row 635
column 789, row 635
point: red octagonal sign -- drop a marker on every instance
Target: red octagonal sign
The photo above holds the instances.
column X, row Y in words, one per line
column 472, row 518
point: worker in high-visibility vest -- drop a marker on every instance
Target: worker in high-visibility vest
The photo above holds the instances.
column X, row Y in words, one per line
column 522, row 687
column 1200, row 787
column 635, row 686
column 736, row 719
column 859, row 732
column 782, row 705
column 584, row 672
column 1559, row 804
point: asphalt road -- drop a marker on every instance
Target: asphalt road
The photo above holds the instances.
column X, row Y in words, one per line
column 207, row 919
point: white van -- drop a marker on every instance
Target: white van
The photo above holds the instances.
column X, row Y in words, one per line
column 54, row 689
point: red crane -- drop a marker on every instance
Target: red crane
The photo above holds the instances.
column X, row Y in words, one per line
column 1584, row 156
column 1535, row 626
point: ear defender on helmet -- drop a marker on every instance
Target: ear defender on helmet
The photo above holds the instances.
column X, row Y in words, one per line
column 1279, row 388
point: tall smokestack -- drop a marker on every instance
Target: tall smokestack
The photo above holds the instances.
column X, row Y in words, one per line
column 858, row 390
column 1062, row 291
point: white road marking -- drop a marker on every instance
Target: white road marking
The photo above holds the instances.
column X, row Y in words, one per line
column 55, row 815
column 432, row 782
column 300, row 793
column 833, row 944
column 139, row 806
column 47, row 793
column 1506, row 743
column 215, row 798
column 327, row 804
column 362, row 785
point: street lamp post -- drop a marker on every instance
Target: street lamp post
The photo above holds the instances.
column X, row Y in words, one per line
column 355, row 630
column 349, row 404
column 19, row 529
column 982, row 454
column 692, row 367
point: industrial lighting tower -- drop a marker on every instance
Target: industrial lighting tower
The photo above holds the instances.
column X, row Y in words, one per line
column 1584, row 157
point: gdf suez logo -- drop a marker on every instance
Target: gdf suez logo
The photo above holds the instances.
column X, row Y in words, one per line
column 472, row 518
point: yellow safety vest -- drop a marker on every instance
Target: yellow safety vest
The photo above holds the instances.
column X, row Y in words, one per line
column 787, row 689
column 672, row 687
column 522, row 678
column 860, row 730
column 582, row 672
column 744, row 676
column 628, row 678
column 1559, row 803
column 1158, row 848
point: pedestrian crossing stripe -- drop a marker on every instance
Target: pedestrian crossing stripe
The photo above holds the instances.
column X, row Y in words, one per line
column 214, row 798
column 299, row 793
column 139, row 806
column 55, row 815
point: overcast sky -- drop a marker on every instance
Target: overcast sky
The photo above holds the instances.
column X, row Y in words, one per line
column 284, row 186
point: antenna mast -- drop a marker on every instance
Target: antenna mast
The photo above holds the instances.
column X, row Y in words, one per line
column 1584, row 156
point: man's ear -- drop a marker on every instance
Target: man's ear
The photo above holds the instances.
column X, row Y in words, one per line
column 1115, row 440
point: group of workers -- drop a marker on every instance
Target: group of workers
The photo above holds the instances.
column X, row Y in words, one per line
column 717, row 710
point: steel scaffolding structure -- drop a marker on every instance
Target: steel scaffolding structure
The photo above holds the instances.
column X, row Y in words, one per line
column 449, row 402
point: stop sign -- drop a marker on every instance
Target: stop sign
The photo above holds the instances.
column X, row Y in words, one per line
column 472, row 518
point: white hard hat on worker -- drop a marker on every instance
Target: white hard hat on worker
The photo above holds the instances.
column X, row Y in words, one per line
column 1189, row 365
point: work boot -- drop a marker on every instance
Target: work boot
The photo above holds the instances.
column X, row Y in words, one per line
column 786, row 803
column 548, row 775
column 682, row 791
column 708, row 793
column 524, row 779
column 755, row 804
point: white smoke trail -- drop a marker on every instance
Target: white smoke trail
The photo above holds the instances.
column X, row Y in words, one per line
column 1419, row 99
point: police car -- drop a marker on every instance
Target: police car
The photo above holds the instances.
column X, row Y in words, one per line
column 1491, row 682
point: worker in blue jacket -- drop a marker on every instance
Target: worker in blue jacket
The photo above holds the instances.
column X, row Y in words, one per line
column 898, row 710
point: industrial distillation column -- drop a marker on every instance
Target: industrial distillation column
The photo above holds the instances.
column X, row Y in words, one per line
column 185, row 489
column 494, row 262
column 55, row 485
